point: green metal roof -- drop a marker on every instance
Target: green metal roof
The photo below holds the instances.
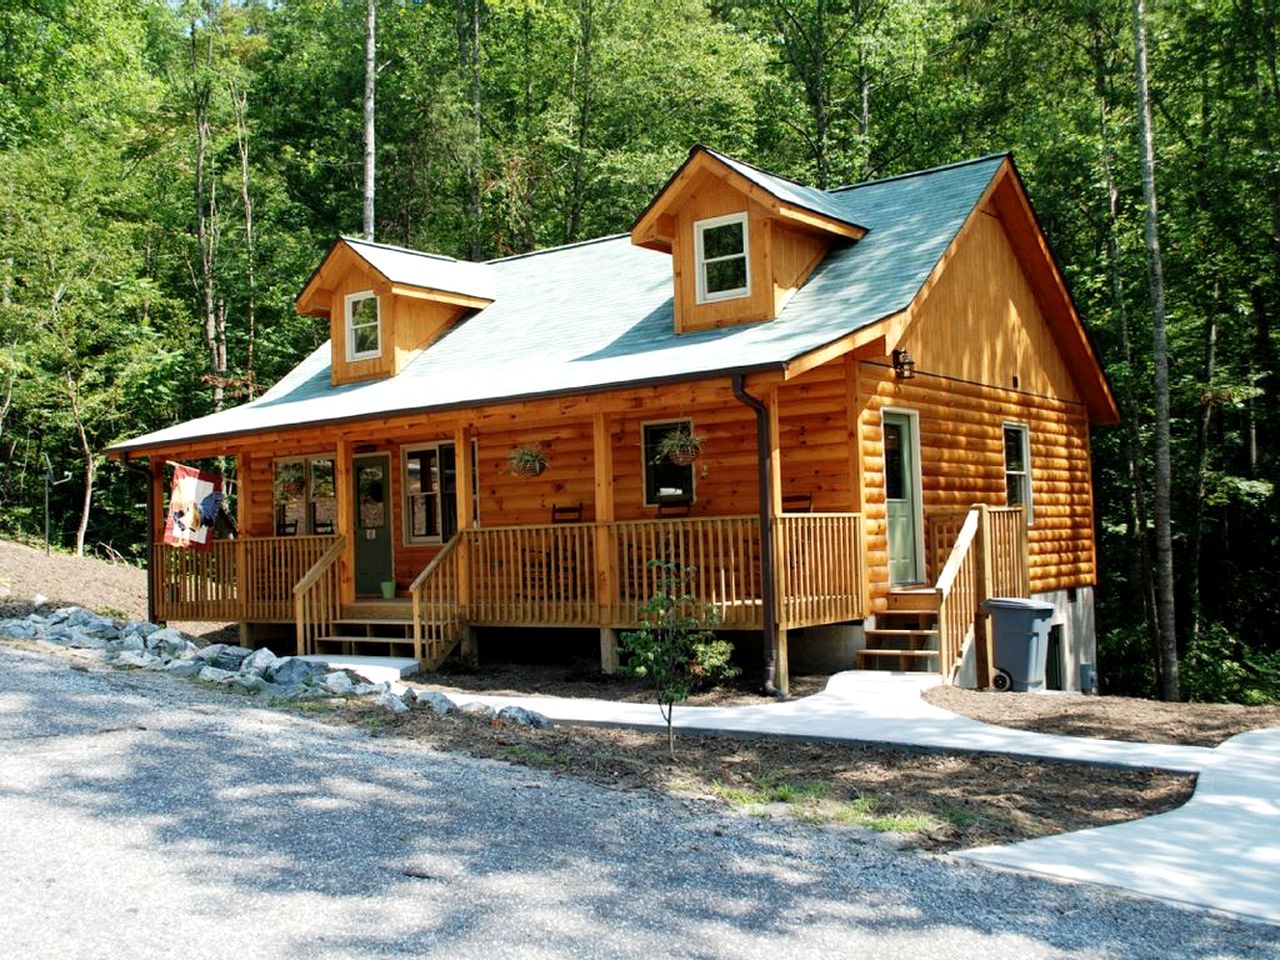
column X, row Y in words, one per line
column 599, row 314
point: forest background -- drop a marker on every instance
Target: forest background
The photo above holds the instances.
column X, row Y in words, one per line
column 171, row 172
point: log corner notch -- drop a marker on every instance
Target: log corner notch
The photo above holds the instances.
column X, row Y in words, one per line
column 776, row 680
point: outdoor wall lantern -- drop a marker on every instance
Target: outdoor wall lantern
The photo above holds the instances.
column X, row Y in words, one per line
column 904, row 367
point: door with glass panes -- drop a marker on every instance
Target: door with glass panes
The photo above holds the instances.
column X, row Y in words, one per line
column 372, row 491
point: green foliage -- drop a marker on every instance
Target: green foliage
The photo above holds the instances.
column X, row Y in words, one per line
column 675, row 647
column 1217, row 668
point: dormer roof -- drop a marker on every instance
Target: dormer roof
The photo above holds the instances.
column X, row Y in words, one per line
column 798, row 205
column 407, row 272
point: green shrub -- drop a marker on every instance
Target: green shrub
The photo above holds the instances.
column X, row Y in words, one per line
column 1218, row 668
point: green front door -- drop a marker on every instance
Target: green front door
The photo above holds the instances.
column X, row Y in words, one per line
column 902, row 498
column 373, row 522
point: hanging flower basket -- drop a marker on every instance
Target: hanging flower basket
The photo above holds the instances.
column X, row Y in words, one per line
column 680, row 447
column 528, row 461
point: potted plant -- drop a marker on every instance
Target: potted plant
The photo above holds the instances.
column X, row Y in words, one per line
column 680, row 446
column 527, row 461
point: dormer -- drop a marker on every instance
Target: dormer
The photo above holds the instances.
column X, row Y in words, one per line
column 385, row 305
column 742, row 241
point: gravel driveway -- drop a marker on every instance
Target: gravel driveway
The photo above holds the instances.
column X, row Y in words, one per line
column 142, row 817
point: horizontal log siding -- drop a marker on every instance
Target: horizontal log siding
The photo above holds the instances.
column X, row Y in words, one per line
column 962, row 454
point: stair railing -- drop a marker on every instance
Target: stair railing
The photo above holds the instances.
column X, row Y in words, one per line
column 988, row 558
column 439, row 613
column 317, row 598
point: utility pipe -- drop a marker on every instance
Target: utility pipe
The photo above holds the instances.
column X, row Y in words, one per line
column 764, row 483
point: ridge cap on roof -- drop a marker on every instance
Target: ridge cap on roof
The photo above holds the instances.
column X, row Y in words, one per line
column 761, row 170
column 562, row 246
column 1002, row 154
column 398, row 249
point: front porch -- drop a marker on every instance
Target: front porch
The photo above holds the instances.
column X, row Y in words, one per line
column 593, row 574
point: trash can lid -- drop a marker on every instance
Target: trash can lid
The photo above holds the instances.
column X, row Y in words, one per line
column 1016, row 603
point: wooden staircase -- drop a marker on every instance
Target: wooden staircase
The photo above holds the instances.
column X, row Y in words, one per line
column 371, row 628
column 905, row 637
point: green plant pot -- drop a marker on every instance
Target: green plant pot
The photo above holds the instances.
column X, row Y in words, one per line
column 388, row 590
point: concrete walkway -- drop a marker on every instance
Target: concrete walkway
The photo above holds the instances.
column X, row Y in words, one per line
column 1220, row 851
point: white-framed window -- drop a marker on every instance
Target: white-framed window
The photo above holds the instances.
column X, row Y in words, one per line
column 363, row 338
column 1017, row 466
column 303, row 496
column 720, row 251
column 664, row 481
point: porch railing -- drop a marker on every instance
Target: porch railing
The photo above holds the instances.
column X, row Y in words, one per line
column 439, row 613
column 317, row 598
column 599, row 574
column 247, row 579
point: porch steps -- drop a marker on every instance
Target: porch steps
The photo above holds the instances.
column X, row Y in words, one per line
column 380, row 629
column 905, row 637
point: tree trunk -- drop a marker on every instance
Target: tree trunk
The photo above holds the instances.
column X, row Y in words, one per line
column 206, row 203
column 1207, row 401
column 585, row 38
column 469, row 22
column 239, row 99
column 370, row 86
column 90, row 468
column 1168, row 645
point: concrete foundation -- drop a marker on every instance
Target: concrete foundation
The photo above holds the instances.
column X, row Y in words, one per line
column 1073, row 615
column 826, row 649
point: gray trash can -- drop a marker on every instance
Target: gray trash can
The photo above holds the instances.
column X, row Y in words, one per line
column 1020, row 639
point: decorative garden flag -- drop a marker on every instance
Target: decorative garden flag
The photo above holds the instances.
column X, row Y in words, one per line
column 194, row 503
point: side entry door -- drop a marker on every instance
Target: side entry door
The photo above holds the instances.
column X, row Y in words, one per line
column 902, row 498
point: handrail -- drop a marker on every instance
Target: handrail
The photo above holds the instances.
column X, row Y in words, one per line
column 961, row 588
column 968, row 531
column 316, row 598
column 439, row 614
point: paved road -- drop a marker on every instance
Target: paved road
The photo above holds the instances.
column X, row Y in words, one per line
column 141, row 817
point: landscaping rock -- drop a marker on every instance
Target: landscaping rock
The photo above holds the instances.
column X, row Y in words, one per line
column 338, row 683
column 184, row 668
column 231, row 658
column 291, row 670
column 259, row 662
column 215, row 675
column 139, row 659
column 18, row 629
column 249, row 683
column 210, row 653
column 364, row 689
column 141, row 627
column 481, row 711
column 389, row 701
column 520, row 717
column 158, row 638
column 436, row 702
column 125, row 644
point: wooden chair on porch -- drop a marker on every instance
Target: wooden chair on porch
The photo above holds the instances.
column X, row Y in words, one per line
column 798, row 503
column 570, row 513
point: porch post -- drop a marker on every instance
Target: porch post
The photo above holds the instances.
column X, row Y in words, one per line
column 782, row 677
column 242, row 531
column 465, row 498
column 344, row 494
column 984, row 656
column 606, row 573
column 155, row 530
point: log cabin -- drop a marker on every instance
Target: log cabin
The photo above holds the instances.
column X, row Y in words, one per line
column 892, row 390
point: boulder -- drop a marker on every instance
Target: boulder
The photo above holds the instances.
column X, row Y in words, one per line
column 215, row 675
column 338, row 683
column 231, row 658
column 364, row 689
column 436, row 702
column 210, row 653
column 141, row 627
column 125, row 644
column 389, row 701
column 481, row 711
column 291, row 670
column 520, row 717
column 157, row 639
column 139, row 659
column 18, row 629
column 184, row 668
column 84, row 641
column 249, row 683
column 258, row 662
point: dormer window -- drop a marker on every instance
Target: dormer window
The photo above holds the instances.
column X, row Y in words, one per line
column 363, row 340
column 720, row 245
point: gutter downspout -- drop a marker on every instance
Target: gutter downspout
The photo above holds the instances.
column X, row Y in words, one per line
column 146, row 475
column 764, row 482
